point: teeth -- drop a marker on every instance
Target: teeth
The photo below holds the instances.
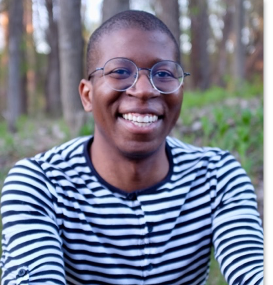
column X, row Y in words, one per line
column 140, row 120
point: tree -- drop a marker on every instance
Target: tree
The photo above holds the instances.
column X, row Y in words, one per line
column 222, row 66
column 200, row 67
column 53, row 96
column 15, row 80
column 168, row 13
column 239, row 51
column 112, row 7
column 254, row 19
column 71, row 62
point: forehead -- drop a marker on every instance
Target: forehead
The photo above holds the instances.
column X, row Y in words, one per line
column 141, row 46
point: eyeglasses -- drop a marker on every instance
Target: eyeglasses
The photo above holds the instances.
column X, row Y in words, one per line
column 121, row 74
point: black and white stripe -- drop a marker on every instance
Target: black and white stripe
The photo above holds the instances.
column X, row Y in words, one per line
column 63, row 224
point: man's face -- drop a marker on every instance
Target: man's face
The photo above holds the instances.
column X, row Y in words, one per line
column 114, row 111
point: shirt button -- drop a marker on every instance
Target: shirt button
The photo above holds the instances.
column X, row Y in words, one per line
column 21, row 272
column 150, row 228
column 150, row 267
column 132, row 196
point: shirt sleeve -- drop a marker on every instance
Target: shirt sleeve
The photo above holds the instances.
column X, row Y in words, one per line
column 237, row 227
column 31, row 243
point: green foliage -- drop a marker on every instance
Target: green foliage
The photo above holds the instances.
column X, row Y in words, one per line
column 198, row 98
column 88, row 128
column 215, row 94
column 34, row 135
column 215, row 276
column 228, row 122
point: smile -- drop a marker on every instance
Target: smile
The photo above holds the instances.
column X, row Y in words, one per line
column 140, row 119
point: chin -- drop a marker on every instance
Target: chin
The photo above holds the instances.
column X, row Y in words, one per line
column 142, row 150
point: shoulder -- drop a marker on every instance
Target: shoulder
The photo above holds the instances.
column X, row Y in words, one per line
column 39, row 172
column 212, row 160
column 63, row 152
column 179, row 148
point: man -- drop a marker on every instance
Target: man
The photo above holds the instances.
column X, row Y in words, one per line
column 130, row 205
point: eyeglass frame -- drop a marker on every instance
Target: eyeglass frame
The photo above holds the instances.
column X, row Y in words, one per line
column 185, row 74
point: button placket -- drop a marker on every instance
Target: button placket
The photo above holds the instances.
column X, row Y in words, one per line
column 148, row 229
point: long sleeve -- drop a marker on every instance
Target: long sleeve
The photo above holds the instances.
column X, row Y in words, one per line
column 237, row 230
column 31, row 240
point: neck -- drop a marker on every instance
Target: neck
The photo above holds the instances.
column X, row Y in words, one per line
column 127, row 173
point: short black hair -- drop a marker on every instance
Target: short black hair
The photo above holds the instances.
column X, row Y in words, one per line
column 127, row 19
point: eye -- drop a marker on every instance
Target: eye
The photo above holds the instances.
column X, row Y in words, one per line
column 119, row 73
column 163, row 74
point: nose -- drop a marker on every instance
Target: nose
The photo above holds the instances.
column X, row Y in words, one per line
column 143, row 87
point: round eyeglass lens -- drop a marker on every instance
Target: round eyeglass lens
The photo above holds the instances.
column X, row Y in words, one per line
column 120, row 73
column 167, row 76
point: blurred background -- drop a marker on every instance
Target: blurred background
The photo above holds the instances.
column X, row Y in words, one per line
column 42, row 60
column 221, row 43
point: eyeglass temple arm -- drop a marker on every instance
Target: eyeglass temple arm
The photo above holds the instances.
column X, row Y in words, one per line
column 97, row 69
column 186, row 74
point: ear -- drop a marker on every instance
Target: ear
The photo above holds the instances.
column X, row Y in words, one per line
column 85, row 90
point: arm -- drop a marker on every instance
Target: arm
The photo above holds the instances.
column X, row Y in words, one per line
column 237, row 231
column 31, row 244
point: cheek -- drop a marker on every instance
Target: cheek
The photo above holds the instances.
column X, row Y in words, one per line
column 177, row 115
column 98, row 110
column 104, row 95
column 105, row 105
column 175, row 104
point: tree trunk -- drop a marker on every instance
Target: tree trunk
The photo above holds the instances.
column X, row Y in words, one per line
column 24, row 67
column 239, row 52
column 200, row 67
column 223, row 58
column 168, row 13
column 15, row 63
column 53, row 96
column 255, row 59
column 112, row 7
column 71, row 62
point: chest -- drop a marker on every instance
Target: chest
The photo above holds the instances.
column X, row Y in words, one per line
column 143, row 239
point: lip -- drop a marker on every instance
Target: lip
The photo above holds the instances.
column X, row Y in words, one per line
column 142, row 111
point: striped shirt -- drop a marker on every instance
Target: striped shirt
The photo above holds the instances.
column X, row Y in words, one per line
column 63, row 224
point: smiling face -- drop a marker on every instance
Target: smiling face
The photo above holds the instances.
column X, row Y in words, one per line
column 132, row 123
